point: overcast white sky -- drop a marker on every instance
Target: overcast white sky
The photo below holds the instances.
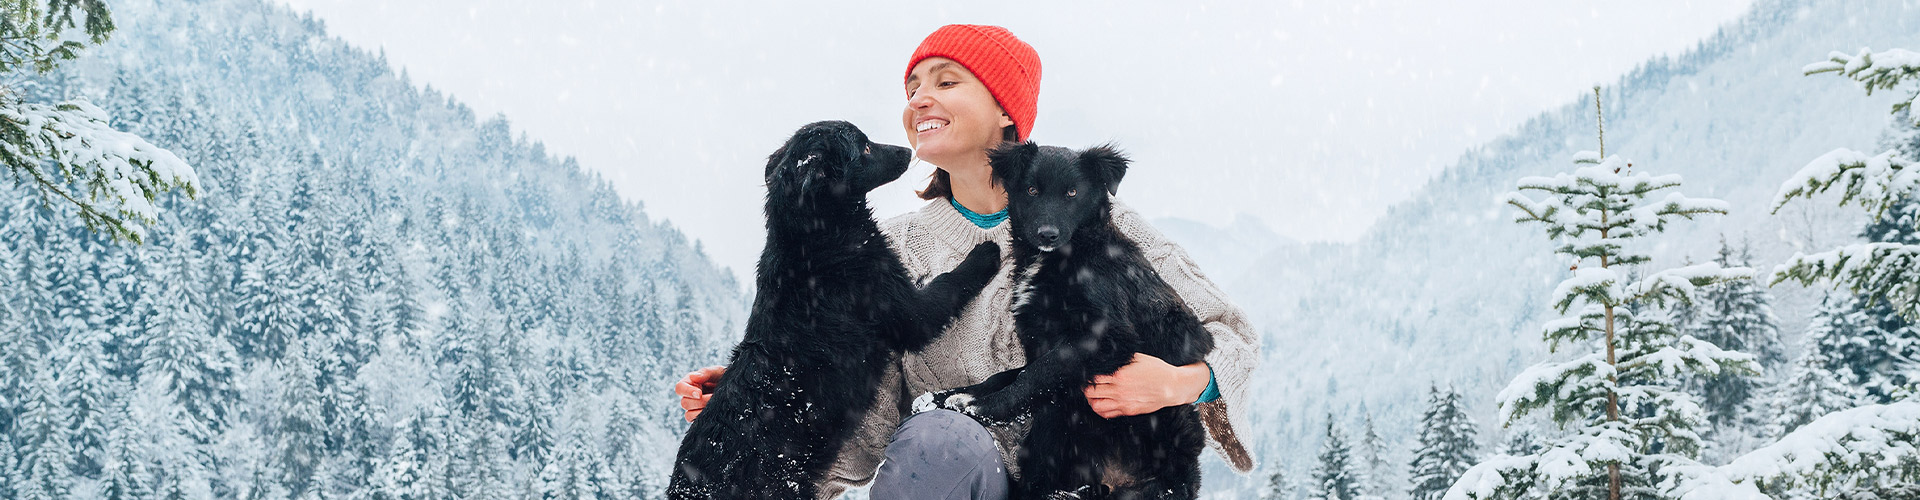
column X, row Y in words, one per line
column 1312, row 116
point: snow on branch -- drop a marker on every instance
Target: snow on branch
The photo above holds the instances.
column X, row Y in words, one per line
column 1683, row 283
column 1885, row 271
column 1876, row 182
column 1689, row 355
column 1598, row 285
column 1554, row 469
column 1861, row 446
column 1541, row 384
column 1874, row 70
column 70, row 152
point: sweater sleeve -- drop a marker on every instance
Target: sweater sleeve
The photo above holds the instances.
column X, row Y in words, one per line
column 1236, row 348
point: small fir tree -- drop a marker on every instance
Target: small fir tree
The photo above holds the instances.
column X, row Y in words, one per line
column 1811, row 389
column 1614, row 382
column 1279, row 485
column 1447, row 445
column 1334, row 477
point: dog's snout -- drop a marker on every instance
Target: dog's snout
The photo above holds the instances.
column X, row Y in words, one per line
column 1048, row 234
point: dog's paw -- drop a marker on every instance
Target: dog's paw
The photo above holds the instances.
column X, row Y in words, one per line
column 1081, row 493
column 995, row 409
column 943, row 400
column 924, row 404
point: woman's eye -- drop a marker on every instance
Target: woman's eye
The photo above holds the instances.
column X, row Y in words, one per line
column 1071, row 192
column 1033, row 191
column 947, row 84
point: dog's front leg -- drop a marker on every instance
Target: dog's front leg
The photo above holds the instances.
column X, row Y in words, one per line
column 957, row 399
column 1059, row 370
column 943, row 298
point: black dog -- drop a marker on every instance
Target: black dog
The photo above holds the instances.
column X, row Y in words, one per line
column 1088, row 300
column 833, row 306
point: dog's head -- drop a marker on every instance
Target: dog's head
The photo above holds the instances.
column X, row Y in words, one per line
column 831, row 161
column 1053, row 191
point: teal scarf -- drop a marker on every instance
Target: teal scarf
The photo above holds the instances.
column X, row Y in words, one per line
column 984, row 221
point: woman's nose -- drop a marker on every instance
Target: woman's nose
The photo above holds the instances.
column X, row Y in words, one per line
column 919, row 101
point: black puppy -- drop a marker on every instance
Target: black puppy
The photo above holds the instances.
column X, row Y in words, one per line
column 1088, row 300
column 833, row 306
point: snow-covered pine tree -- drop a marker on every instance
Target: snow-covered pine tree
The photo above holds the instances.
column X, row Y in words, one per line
column 1870, row 448
column 1448, row 445
column 1866, row 342
column 1374, row 479
column 1883, row 354
column 86, row 388
column 179, row 356
column 398, row 477
column 1811, row 388
column 298, row 429
column 1852, row 453
column 124, row 472
column 68, row 150
column 1279, row 485
column 1334, row 476
column 1881, row 270
column 179, row 462
column 45, row 470
column 1613, row 383
column 1739, row 317
column 576, row 471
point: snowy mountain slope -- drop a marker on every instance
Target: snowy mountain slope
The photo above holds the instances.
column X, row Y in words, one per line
column 1447, row 289
column 376, row 295
column 1224, row 251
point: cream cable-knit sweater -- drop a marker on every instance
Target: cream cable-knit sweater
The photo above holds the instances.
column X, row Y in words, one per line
column 981, row 342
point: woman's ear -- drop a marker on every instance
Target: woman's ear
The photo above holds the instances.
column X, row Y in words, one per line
column 1106, row 162
column 1005, row 121
column 1010, row 160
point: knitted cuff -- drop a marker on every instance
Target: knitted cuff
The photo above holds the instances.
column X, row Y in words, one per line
column 1213, row 389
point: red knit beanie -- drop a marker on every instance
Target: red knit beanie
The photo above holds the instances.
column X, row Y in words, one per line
column 1007, row 66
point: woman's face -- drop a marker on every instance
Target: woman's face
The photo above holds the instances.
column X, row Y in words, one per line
column 950, row 119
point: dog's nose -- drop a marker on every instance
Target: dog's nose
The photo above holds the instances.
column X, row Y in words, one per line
column 1048, row 234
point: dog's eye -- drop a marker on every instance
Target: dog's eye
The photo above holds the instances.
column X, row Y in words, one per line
column 1033, row 191
column 1071, row 192
column 869, row 150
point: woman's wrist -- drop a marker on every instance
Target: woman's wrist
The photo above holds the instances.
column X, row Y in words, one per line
column 1193, row 382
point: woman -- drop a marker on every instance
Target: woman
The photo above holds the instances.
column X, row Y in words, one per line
column 968, row 89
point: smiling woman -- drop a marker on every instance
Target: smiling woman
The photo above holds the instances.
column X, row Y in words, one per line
column 955, row 120
column 969, row 89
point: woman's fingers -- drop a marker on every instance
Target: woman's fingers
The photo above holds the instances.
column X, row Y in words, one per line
column 686, row 389
column 708, row 377
column 697, row 388
column 1110, row 408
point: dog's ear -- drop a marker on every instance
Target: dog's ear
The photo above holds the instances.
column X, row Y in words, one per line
column 775, row 161
column 1011, row 160
column 1106, row 163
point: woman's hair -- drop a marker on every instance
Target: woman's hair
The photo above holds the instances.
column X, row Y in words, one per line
column 942, row 187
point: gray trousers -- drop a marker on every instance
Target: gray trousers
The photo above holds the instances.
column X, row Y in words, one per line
column 941, row 454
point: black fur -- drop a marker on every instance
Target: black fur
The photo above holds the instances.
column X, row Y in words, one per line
column 833, row 306
column 1089, row 300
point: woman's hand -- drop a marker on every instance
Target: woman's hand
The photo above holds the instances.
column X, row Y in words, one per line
column 1146, row 385
column 697, row 388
